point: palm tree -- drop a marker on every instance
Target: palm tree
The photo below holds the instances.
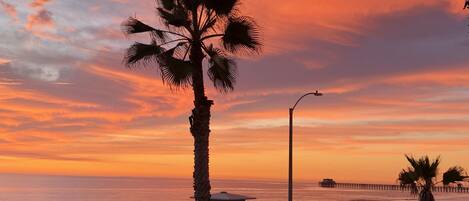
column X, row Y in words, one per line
column 454, row 174
column 179, row 51
column 421, row 175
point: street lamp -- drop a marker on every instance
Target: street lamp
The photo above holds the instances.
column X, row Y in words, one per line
column 290, row 148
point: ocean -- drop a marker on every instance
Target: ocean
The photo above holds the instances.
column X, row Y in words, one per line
column 66, row 188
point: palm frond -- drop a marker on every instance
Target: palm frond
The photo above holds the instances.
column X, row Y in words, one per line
column 144, row 54
column 413, row 162
column 454, row 174
column 167, row 4
column 428, row 169
column 176, row 72
column 424, row 168
column 191, row 4
column 208, row 25
column 222, row 7
column 222, row 70
column 432, row 170
column 133, row 26
column 408, row 178
column 241, row 33
column 177, row 17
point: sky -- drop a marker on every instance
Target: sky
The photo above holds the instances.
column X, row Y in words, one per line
column 395, row 78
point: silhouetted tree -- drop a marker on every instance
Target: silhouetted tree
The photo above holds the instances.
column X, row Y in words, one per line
column 421, row 175
column 179, row 51
column 454, row 174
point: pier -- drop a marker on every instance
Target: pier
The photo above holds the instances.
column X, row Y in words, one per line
column 328, row 183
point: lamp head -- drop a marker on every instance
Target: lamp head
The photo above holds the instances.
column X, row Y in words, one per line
column 317, row 93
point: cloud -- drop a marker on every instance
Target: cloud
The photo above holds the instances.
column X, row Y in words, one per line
column 4, row 61
column 43, row 73
column 393, row 74
column 285, row 25
column 41, row 23
column 29, row 69
column 43, row 156
column 388, row 45
column 9, row 9
column 42, row 18
column 38, row 3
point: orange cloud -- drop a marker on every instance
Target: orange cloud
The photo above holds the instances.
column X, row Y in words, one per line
column 287, row 24
column 145, row 89
column 4, row 61
column 458, row 76
column 38, row 3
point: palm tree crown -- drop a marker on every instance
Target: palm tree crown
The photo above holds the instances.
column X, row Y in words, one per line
column 454, row 174
column 422, row 173
column 196, row 23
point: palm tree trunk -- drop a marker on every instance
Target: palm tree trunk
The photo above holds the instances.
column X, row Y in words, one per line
column 200, row 121
column 426, row 194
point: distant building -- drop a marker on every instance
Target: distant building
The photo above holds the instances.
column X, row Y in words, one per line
column 327, row 183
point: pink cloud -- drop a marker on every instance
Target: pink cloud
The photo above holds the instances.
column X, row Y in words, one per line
column 40, row 23
column 43, row 18
column 9, row 9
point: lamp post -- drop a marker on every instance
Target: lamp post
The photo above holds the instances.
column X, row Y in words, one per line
column 290, row 147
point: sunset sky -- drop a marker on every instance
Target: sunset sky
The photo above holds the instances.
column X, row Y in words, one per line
column 395, row 75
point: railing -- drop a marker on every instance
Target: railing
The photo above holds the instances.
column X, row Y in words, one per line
column 383, row 187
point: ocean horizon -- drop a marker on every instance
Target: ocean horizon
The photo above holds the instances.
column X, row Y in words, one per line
column 15, row 187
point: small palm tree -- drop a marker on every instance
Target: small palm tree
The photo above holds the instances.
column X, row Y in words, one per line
column 454, row 174
column 180, row 49
column 421, row 175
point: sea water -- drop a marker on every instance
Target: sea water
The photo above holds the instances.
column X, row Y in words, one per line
column 66, row 188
